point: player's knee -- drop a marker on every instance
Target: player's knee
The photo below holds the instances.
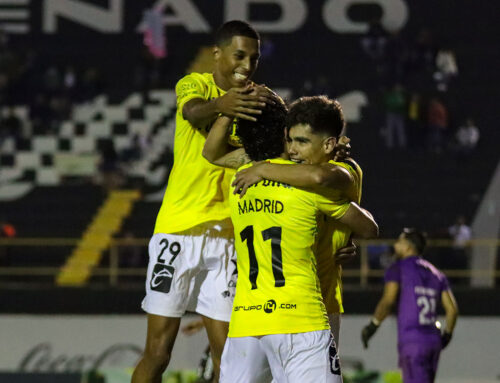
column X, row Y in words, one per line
column 157, row 355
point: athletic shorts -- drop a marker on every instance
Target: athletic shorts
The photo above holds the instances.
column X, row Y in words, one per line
column 292, row 358
column 419, row 362
column 192, row 271
column 334, row 320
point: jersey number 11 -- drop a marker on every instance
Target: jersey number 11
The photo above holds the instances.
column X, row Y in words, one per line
column 273, row 234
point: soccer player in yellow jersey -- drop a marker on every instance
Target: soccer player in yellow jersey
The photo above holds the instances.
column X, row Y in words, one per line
column 278, row 309
column 312, row 123
column 191, row 251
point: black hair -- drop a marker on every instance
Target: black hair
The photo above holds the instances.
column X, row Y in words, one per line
column 321, row 113
column 416, row 237
column 264, row 139
column 232, row 28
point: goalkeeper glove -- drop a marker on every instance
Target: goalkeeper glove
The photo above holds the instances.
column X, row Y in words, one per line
column 368, row 331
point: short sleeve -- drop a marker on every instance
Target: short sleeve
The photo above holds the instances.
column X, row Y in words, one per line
column 445, row 285
column 188, row 88
column 333, row 208
column 393, row 273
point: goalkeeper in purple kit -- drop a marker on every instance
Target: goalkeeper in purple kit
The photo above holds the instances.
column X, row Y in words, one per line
column 419, row 289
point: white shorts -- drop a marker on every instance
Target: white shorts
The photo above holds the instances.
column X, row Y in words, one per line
column 334, row 320
column 192, row 271
column 302, row 357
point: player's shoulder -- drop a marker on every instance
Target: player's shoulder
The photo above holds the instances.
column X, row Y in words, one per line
column 394, row 267
column 195, row 79
column 349, row 164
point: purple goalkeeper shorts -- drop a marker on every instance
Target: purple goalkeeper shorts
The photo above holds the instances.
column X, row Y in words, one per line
column 419, row 362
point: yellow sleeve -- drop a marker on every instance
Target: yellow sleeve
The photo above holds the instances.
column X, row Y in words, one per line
column 332, row 208
column 188, row 88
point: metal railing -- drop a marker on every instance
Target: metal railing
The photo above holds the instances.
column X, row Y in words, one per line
column 114, row 274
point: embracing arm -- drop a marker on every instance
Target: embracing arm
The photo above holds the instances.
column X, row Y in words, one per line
column 217, row 151
column 216, row 145
column 245, row 103
column 360, row 221
column 199, row 112
column 299, row 175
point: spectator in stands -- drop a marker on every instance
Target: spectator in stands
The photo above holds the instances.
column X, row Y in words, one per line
column 9, row 68
column 109, row 167
column 70, row 82
column 60, row 107
column 467, row 137
column 416, row 126
column 52, row 81
column 11, row 125
column 395, row 127
column 423, row 52
column 40, row 114
column 461, row 234
column 134, row 151
column 375, row 41
column 91, row 84
column 395, row 59
column 267, row 48
column 446, row 69
column 437, row 119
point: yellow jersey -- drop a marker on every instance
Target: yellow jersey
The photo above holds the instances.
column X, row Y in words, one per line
column 197, row 190
column 332, row 236
column 275, row 227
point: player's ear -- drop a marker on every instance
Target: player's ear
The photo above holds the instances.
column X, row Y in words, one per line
column 217, row 52
column 329, row 145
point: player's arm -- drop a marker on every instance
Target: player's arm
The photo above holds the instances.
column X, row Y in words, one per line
column 451, row 311
column 217, row 151
column 383, row 309
column 360, row 221
column 300, row 175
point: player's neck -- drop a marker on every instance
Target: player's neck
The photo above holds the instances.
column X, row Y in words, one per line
column 221, row 81
column 408, row 255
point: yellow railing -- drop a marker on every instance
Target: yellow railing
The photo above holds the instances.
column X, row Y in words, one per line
column 113, row 271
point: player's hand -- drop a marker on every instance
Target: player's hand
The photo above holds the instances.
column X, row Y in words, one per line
column 192, row 327
column 445, row 339
column 265, row 94
column 342, row 149
column 368, row 332
column 246, row 178
column 245, row 103
column 346, row 253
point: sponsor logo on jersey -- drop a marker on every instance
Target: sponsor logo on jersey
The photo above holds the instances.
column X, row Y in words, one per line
column 269, row 307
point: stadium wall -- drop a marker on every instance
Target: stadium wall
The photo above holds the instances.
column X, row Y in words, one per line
column 78, row 343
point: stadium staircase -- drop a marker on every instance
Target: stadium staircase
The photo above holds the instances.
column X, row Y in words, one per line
column 97, row 238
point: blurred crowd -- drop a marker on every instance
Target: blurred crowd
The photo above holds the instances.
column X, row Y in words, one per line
column 49, row 90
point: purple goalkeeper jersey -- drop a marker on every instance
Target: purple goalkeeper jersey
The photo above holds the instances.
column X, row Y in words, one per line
column 420, row 288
